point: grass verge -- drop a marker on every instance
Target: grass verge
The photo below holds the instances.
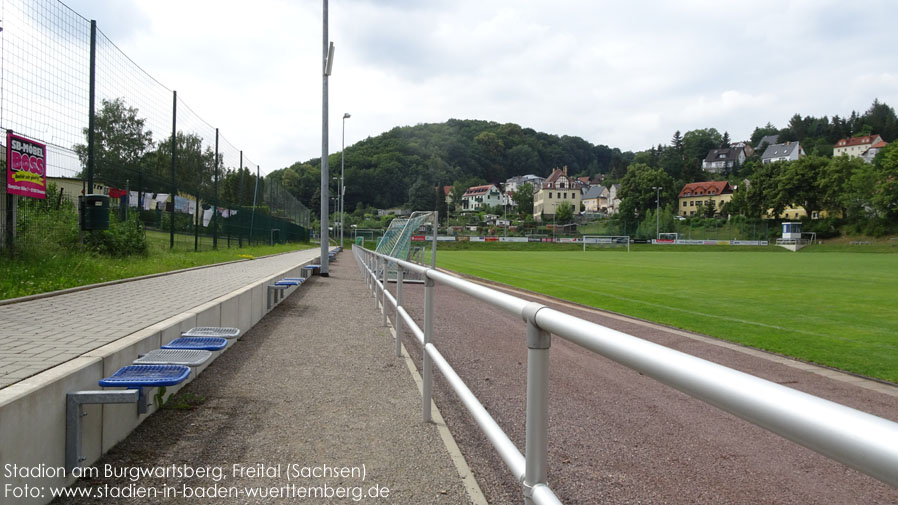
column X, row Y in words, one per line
column 37, row 272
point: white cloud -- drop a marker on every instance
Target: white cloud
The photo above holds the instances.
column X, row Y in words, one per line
column 626, row 74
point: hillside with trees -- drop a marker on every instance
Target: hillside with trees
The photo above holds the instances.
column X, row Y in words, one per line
column 402, row 167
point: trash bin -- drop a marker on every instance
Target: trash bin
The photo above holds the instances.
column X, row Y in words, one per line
column 94, row 212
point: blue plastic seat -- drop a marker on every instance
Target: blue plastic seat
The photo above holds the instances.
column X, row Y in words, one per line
column 205, row 343
column 140, row 376
column 285, row 282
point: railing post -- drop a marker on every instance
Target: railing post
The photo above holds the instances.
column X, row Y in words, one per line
column 536, row 430
column 377, row 263
column 383, row 295
column 426, row 372
column 398, row 324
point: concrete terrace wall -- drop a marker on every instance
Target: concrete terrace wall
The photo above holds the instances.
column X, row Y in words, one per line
column 32, row 411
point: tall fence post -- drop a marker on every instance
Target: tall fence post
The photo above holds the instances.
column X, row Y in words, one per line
column 398, row 325
column 92, row 86
column 426, row 372
column 537, row 427
column 174, row 151
column 215, row 197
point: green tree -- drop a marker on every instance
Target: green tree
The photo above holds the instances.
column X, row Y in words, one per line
column 456, row 194
column 885, row 194
column 637, row 195
column 564, row 212
column 420, row 196
column 797, row 184
column 833, row 183
column 523, row 198
column 120, row 141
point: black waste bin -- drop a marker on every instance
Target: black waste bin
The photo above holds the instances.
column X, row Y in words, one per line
column 94, row 212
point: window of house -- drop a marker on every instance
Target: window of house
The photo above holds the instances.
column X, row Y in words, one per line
column 684, row 204
column 550, row 195
column 691, row 203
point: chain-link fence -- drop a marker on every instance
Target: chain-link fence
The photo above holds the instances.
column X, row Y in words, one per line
column 163, row 167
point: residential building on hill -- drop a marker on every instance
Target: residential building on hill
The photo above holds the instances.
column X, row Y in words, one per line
column 557, row 188
column 694, row 196
column 477, row 197
column 790, row 151
column 723, row 160
column 859, row 147
column 512, row 184
column 593, row 201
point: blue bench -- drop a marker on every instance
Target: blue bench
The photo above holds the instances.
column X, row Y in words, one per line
column 277, row 289
column 187, row 357
column 202, row 343
column 310, row 270
column 133, row 377
column 212, row 331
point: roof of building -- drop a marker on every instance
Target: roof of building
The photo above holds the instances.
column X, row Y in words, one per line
column 479, row 190
column 780, row 150
column 554, row 176
column 723, row 154
column 447, row 190
column 593, row 192
column 769, row 139
column 859, row 141
column 705, row 188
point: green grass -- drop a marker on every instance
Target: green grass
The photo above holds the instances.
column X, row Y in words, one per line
column 836, row 309
column 59, row 269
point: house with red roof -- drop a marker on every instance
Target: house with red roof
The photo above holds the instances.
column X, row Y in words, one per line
column 477, row 197
column 557, row 188
column 696, row 195
column 857, row 147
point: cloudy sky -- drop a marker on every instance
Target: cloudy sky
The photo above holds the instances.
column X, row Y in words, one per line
column 625, row 74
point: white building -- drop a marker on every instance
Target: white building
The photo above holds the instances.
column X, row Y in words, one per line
column 790, row 151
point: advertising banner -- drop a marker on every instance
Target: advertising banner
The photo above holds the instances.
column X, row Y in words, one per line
column 26, row 167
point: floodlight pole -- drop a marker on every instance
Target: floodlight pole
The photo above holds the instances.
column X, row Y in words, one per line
column 346, row 116
column 327, row 64
column 657, row 213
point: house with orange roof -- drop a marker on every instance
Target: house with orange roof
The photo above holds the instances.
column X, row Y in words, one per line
column 856, row 147
column 696, row 195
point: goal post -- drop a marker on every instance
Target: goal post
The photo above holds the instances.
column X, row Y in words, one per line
column 669, row 236
column 607, row 240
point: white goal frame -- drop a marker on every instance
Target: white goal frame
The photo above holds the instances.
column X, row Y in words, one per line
column 606, row 239
column 669, row 236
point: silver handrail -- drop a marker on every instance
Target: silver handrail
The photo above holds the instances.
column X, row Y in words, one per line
column 860, row 440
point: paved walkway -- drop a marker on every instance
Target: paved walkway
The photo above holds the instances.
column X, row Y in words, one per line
column 314, row 388
column 40, row 334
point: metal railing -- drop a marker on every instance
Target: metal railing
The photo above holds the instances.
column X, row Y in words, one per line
column 860, row 440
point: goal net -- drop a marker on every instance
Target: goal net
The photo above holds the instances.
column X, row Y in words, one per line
column 606, row 241
column 397, row 239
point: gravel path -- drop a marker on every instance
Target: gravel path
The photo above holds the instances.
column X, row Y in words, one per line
column 619, row 437
column 314, row 383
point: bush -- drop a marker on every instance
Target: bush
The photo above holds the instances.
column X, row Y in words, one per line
column 123, row 238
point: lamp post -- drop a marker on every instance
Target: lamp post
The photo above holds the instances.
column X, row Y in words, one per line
column 346, row 116
column 657, row 211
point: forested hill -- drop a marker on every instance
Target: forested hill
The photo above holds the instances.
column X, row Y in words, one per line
column 395, row 167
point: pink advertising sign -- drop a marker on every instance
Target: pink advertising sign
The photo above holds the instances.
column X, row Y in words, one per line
column 26, row 167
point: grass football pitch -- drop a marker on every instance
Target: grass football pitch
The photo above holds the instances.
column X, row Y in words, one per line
column 836, row 309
